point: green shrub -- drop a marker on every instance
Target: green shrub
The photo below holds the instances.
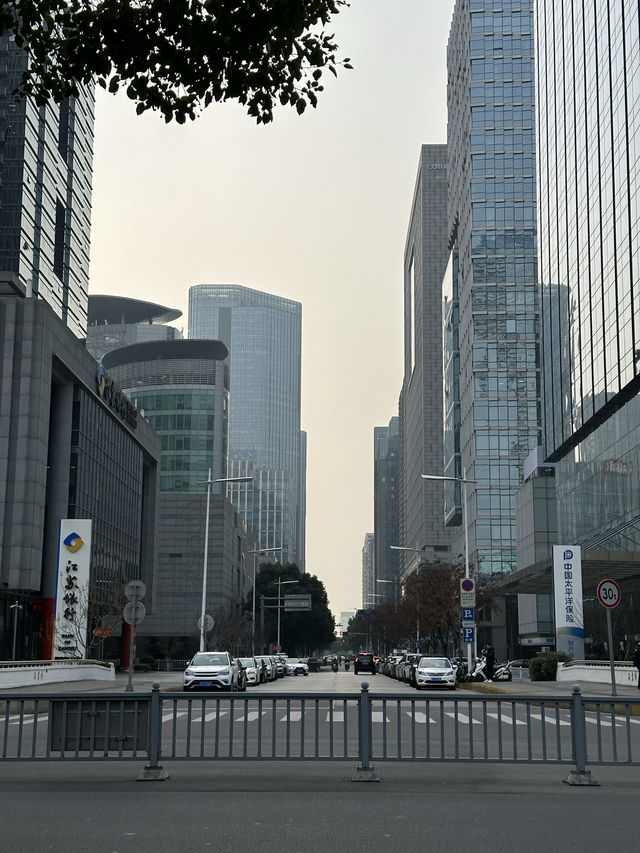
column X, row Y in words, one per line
column 143, row 667
column 543, row 667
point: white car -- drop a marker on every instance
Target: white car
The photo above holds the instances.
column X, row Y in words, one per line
column 251, row 670
column 435, row 672
column 213, row 670
column 296, row 666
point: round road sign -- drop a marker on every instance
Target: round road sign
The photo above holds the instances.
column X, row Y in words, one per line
column 134, row 615
column 209, row 622
column 467, row 584
column 135, row 589
column 608, row 593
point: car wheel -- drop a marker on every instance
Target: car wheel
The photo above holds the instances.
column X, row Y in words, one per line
column 305, row 673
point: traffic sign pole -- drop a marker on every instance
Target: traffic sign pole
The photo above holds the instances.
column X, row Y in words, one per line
column 609, row 597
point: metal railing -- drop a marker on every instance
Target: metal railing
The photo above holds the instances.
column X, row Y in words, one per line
column 562, row 730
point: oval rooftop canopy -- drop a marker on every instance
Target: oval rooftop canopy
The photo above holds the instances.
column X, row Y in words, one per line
column 152, row 350
column 116, row 310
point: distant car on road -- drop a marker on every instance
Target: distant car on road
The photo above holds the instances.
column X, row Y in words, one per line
column 296, row 666
column 364, row 662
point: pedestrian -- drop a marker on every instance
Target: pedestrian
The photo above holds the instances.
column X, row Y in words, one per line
column 636, row 662
column 489, row 656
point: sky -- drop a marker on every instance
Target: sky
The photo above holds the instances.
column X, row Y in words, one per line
column 313, row 208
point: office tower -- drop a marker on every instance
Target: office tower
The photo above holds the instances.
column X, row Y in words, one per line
column 116, row 321
column 263, row 333
column 46, row 156
column 182, row 388
column 72, row 447
column 386, row 447
column 369, row 598
column 588, row 124
column 420, row 410
column 491, row 303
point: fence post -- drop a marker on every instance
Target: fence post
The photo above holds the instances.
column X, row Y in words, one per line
column 579, row 775
column 365, row 772
column 154, row 772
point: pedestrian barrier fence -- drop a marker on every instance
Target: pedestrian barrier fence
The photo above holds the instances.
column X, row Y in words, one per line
column 160, row 727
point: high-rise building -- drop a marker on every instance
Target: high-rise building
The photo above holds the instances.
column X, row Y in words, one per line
column 421, row 448
column 46, row 156
column 182, row 388
column 491, row 305
column 386, row 446
column 588, row 124
column 263, row 334
column 369, row 594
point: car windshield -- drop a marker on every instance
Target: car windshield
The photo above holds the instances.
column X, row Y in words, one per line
column 207, row 659
column 436, row 663
column 247, row 662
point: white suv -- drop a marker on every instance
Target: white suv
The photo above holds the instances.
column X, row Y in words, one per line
column 213, row 669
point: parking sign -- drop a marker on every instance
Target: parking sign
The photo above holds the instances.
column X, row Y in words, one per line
column 468, row 635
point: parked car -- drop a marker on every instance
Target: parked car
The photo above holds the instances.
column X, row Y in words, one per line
column 252, row 670
column 435, row 672
column 296, row 666
column 209, row 670
column 364, row 662
column 269, row 667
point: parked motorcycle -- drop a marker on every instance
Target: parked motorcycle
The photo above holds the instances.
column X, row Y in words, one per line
column 502, row 672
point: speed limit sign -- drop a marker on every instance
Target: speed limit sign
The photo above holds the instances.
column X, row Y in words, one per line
column 608, row 593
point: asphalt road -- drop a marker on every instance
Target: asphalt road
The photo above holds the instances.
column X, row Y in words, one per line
column 303, row 807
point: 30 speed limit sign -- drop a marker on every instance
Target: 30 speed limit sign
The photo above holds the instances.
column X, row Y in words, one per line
column 608, row 593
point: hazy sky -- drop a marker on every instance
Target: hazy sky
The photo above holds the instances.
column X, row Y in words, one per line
column 312, row 208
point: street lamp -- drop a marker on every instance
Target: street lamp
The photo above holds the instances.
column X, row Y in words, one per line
column 15, row 607
column 464, row 482
column 209, row 482
column 414, row 551
column 253, row 609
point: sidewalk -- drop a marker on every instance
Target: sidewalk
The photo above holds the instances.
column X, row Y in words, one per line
column 526, row 687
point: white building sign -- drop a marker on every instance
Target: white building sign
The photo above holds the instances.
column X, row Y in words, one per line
column 567, row 583
column 72, row 591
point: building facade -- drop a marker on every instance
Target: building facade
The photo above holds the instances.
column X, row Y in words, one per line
column 72, row 448
column 386, row 516
column 182, row 389
column 46, row 156
column 589, row 226
column 420, row 410
column 491, row 306
column 263, row 334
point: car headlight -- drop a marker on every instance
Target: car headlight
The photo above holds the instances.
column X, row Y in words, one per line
column 224, row 672
column 188, row 672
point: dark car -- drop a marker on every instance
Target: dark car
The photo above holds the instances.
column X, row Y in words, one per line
column 364, row 662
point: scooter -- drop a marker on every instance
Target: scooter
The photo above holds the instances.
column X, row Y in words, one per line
column 334, row 665
column 502, row 672
column 346, row 666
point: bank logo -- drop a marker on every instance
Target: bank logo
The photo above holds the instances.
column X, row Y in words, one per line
column 101, row 379
column 73, row 542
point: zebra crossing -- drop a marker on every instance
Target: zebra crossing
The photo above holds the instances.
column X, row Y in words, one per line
column 379, row 717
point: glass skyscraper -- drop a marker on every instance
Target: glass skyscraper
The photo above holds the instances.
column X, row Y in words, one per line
column 46, row 156
column 588, row 114
column 263, row 333
column 491, row 306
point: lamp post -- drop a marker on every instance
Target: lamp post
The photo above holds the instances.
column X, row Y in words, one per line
column 464, row 482
column 210, row 482
column 280, row 582
column 15, row 607
column 253, row 607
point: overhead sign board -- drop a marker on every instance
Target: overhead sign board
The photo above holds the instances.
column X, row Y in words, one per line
column 296, row 602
